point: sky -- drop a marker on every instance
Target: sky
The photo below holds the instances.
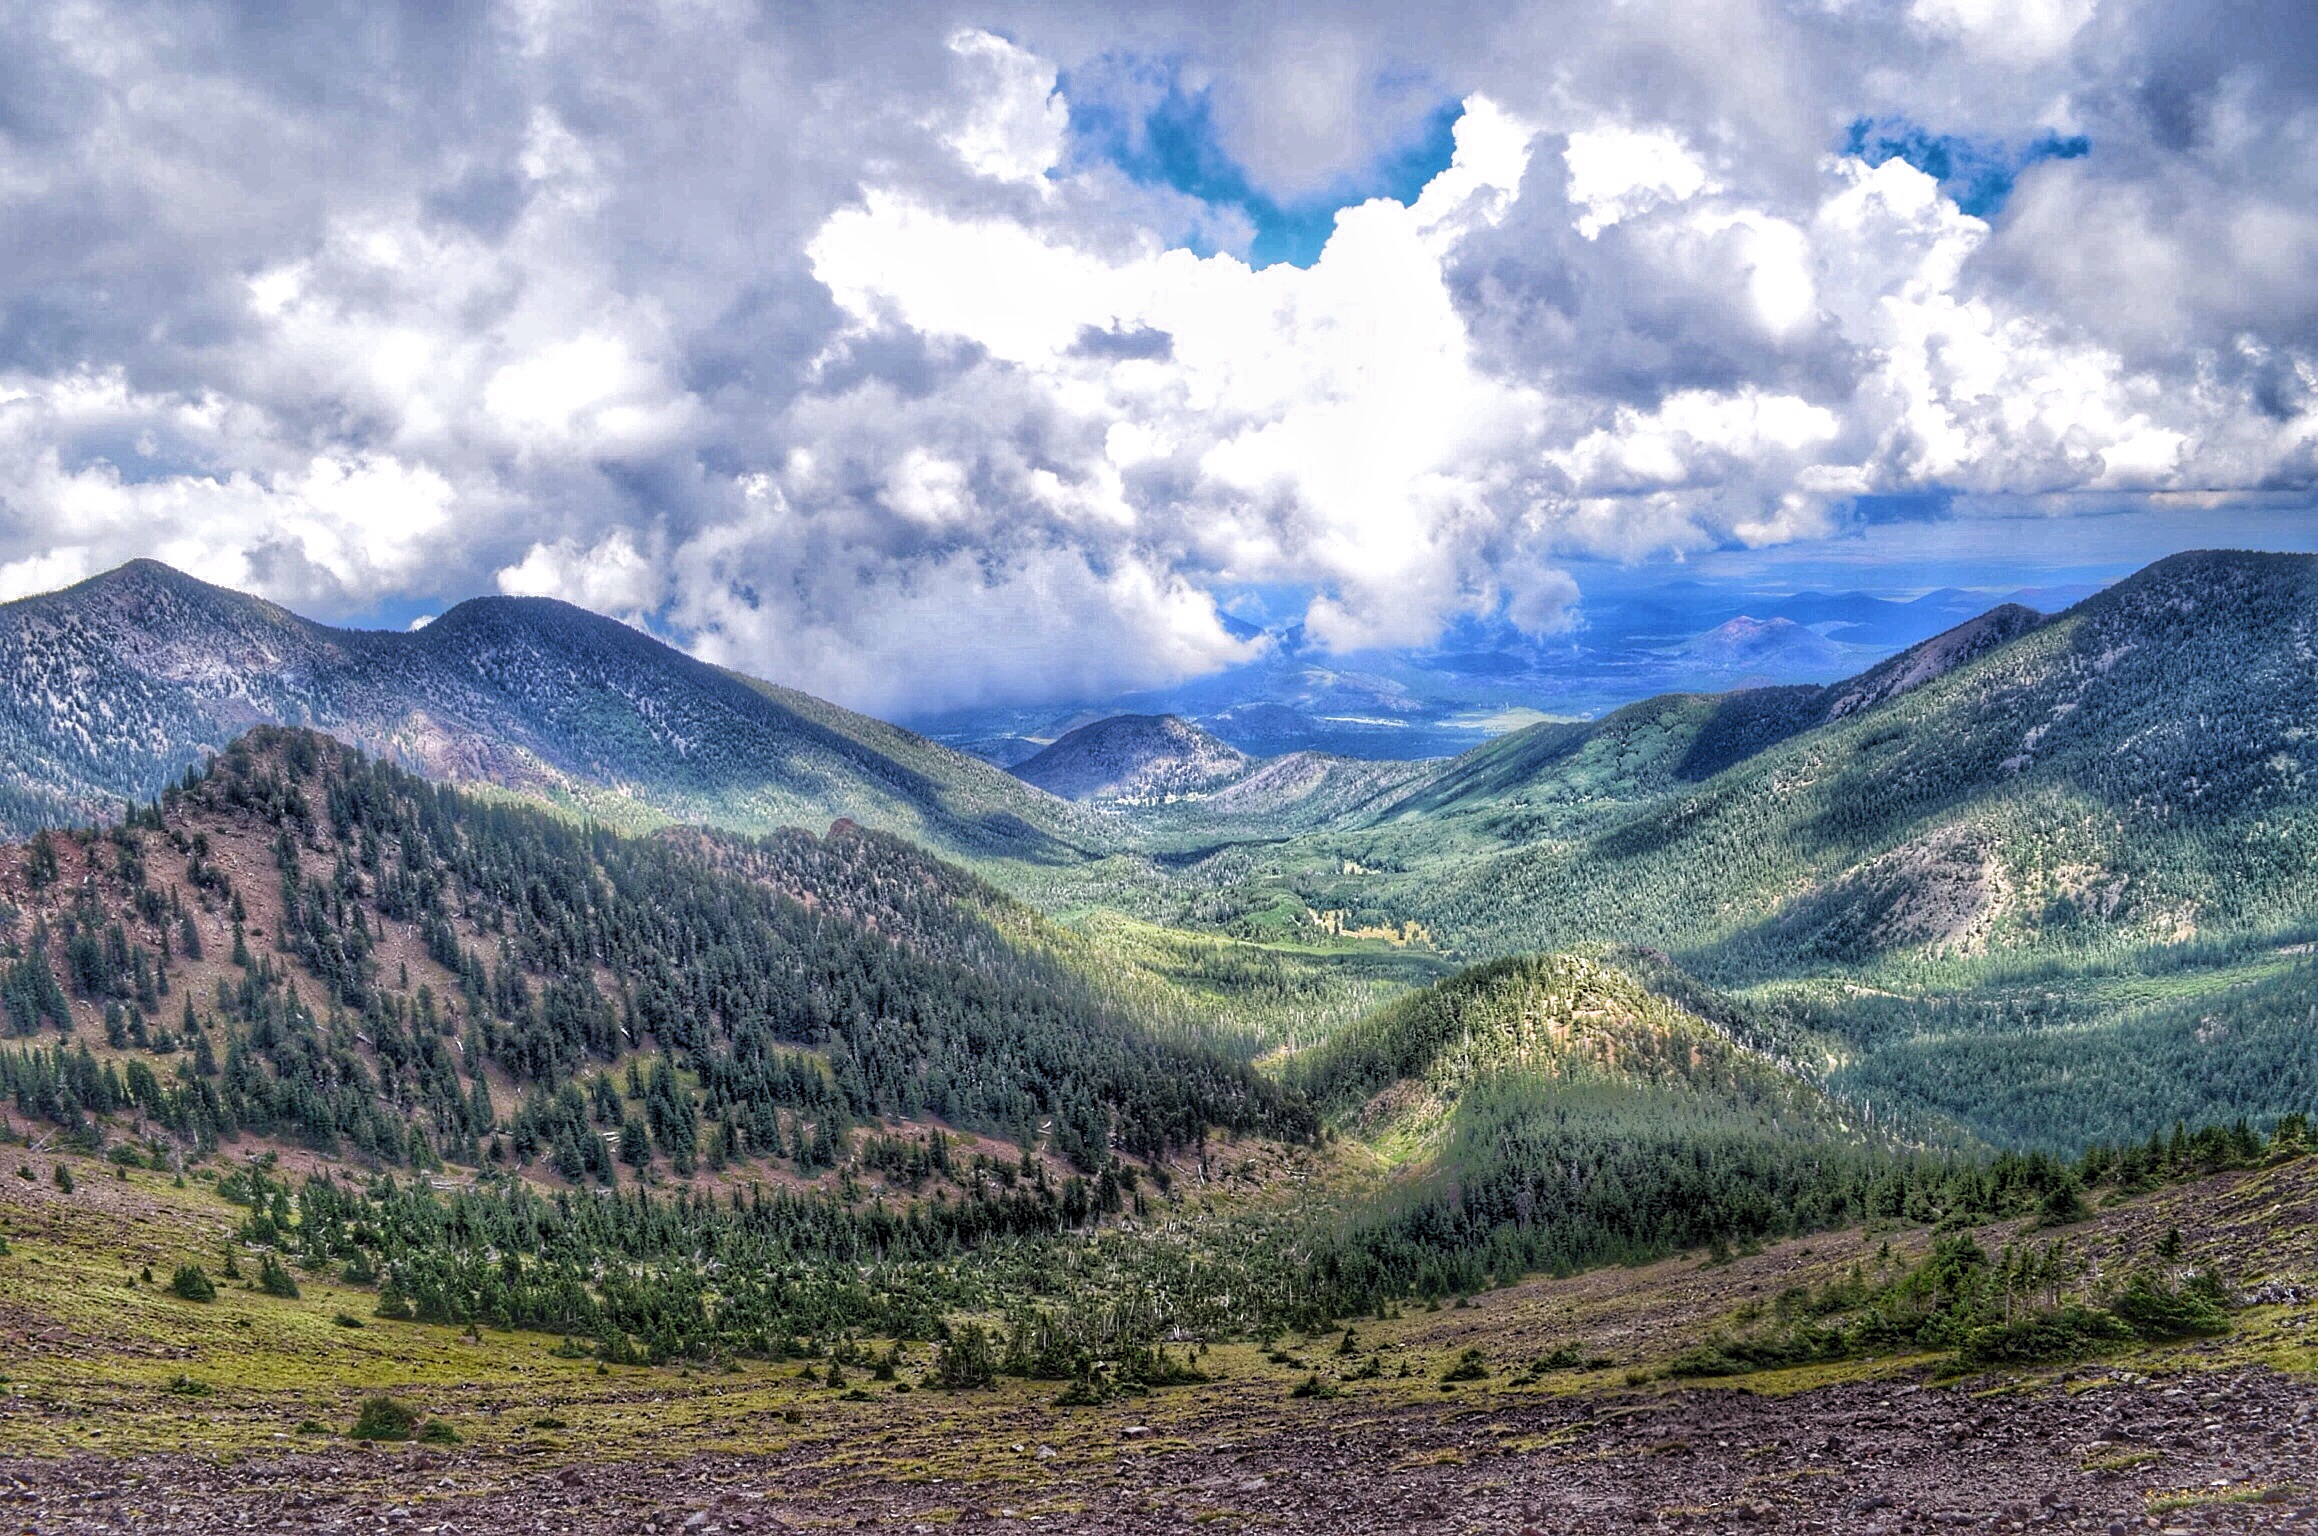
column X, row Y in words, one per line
column 940, row 356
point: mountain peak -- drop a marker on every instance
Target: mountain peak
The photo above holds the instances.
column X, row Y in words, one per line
column 1135, row 757
column 1746, row 641
column 2169, row 582
column 113, row 687
column 145, row 579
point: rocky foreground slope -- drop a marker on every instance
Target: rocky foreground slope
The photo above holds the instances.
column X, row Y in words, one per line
column 235, row 1419
column 1865, row 1458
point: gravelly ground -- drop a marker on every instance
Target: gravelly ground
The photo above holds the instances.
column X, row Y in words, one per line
column 1872, row 1457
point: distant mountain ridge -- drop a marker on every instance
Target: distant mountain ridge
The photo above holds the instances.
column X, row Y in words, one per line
column 1747, row 644
column 1165, row 773
column 1135, row 757
column 1660, row 743
column 2133, row 769
column 112, row 687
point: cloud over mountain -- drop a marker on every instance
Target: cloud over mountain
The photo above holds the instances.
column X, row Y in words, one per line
column 917, row 358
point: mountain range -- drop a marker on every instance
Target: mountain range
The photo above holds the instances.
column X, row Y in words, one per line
column 1440, row 700
column 1292, row 1076
column 111, row 688
column 2114, row 788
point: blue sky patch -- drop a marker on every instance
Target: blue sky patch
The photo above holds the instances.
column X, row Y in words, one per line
column 1977, row 173
column 1163, row 135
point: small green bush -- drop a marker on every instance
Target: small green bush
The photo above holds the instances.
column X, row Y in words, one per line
column 346, row 1320
column 967, row 1358
column 275, row 1279
column 186, row 1386
column 2064, row 1206
column 2061, row 1335
column 382, row 1418
column 437, row 1432
column 1472, row 1365
column 393, row 1304
column 191, row 1283
column 1087, row 1391
column 2158, row 1311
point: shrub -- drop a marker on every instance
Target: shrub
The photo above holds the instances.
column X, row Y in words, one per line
column 190, row 1283
column 275, row 1279
column 2057, row 1335
column 382, row 1418
column 1472, row 1365
column 1087, row 1391
column 437, row 1432
column 966, row 1359
column 2063, row 1206
column 1140, row 1366
column 2156, row 1310
column 186, row 1386
column 346, row 1320
column 393, row 1304
column 63, row 1177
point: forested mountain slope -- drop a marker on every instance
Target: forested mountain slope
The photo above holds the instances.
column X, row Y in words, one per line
column 1549, row 776
column 2131, row 772
column 110, row 688
column 1556, row 1022
column 1549, row 1112
column 309, row 945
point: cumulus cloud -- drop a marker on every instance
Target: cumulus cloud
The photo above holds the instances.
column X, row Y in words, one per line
column 843, row 348
column 1013, row 125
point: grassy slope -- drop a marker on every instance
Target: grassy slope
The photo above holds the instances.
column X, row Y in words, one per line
column 92, row 1350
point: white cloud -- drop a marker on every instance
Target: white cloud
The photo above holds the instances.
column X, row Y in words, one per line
column 817, row 338
column 1325, row 436
column 1039, row 621
column 2026, row 30
column 1013, row 129
column 612, row 577
column 1617, row 172
column 320, row 526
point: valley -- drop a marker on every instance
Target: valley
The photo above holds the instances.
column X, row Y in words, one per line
column 657, row 1081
